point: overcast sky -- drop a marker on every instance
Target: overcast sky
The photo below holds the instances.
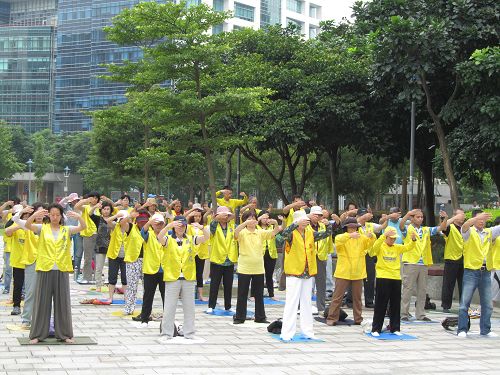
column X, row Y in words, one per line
column 336, row 9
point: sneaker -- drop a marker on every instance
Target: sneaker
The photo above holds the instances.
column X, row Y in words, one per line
column 209, row 310
column 83, row 282
column 405, row 319
column 262, row 321
column 375, row 334
column 26, row 326
column 144, row 325
column 397, row 333
column 425, row 319
column 237, row 321
column 446, row 311
column 491, row 334
column 369, row 305
column 314, row 310
column 164, row 339
column 6, row 291
column 137, row 318
column 462, row 334
column 16, row 311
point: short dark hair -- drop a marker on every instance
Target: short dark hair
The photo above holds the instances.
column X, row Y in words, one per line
column 247, row 214
column 476, row 212
column 107, row 204
column 93, row 194
column 227, row 187
column 126, row 196
column 16, row 200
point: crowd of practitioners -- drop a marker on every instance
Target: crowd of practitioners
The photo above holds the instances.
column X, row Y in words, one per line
column 167, row 249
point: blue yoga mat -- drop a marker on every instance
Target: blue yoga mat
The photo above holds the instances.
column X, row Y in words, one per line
column 220, row 312
column 313, row 298
column 121, row 301
column 198, row 302
column 269, row 301
column 298, row 337
column 414, row 321
column 386, row 336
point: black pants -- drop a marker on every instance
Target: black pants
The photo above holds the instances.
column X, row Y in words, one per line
column 200, row 265
column 369, row 282
column 388, row 291
column 225, row 274
column 258, row 288
column 116, row 265
column 18, row 276
column 269, row 265
column 453, row 272
column 150, row 284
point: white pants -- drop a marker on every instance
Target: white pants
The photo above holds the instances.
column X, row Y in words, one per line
column 297, row 290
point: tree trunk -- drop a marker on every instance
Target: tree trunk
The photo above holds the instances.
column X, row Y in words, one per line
column 229, row 167
column 495, row 174
column 438, row 129
column 404, row 192
column 146, row 161
column 419, row 189
column 426, row 168
column 334, row 171
column 157, row 180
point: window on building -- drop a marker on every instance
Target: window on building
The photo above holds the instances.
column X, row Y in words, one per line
column 244, row 12
column 314, row 11
column 219, row 5
column 313, row 31
column 294, row 5
column 217, row 29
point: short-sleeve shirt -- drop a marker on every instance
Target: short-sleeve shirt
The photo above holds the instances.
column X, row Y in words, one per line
column 251, row 258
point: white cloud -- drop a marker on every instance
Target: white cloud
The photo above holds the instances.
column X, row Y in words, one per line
column 337, row 9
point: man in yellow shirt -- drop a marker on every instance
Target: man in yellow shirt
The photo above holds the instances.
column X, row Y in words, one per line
column 251, row 264
column 388, row 285
column 453, row 258
column 224, row 199
column 478, row 263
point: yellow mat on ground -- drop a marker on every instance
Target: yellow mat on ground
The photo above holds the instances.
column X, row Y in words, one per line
column 17, row 328
column 9, row 303
column 121, row 314
column 103, row 288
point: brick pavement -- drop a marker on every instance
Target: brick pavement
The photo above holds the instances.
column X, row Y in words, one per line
column 123, row 348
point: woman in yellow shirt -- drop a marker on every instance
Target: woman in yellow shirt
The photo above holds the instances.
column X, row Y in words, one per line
column 53, row 267
column 179, row 274
column 251, row 265
column 388, row 285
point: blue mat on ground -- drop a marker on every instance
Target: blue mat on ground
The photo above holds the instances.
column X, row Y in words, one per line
column 269, row 301
column 198, row 302
column 299, row 337
column 121, row 301
column 221, row 312
column 387, row 336
column 415, row 321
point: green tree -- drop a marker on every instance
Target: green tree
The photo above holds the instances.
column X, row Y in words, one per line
column 418, row 46
column 42, row 158
column 179, row 51
column 9, row 164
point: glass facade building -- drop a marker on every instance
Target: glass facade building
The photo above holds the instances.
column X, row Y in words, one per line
column 27, row 47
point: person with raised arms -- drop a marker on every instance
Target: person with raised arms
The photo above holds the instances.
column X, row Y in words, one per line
column 53, row 267
column 478, row 263
column 179, row 274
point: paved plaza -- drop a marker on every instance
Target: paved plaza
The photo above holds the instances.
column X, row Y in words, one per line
column 123, row 347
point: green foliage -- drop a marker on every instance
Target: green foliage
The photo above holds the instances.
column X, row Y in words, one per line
column 9, row 163
column 42, row 157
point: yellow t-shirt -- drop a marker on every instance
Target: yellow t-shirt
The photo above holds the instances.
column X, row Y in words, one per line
column 389, row 257
column 250, row 260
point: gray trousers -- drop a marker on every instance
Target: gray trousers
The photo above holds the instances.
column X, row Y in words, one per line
column 173, row 289
column 88, row 254
column 100, row 259
column 52, row 286
column 29, row 292
column 329, row 273
column 7, row 270
column 414, row 276
column 320, row 280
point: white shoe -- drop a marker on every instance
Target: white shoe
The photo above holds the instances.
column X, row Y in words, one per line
column 209, row 310
column 144, row 325
column 375, row 334
column 314, row 310
column 164, row 339
column 397, row 333
column 462, row 334
column 491, row 334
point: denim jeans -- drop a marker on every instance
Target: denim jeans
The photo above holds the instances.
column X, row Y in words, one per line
column 77, row 250
column 472, row 280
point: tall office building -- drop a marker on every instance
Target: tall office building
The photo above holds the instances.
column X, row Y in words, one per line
column 52, row 51
column 27, row 51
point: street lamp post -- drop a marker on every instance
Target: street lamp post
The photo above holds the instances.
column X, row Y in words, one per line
column 412, row 154
column 30, row 163
column 66, row 176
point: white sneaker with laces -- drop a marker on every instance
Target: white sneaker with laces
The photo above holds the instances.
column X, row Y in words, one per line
column 397, row 333
column 462, row 334
column 491, row 334
column 375, row 334
column 314, row 310
column 209, row 310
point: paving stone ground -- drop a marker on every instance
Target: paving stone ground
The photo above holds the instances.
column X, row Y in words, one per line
column 123, row 348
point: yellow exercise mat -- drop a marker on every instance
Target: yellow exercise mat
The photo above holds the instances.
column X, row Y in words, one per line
column 103, row 289
column 17, row 328
column 121, row 314
column 9, row 303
